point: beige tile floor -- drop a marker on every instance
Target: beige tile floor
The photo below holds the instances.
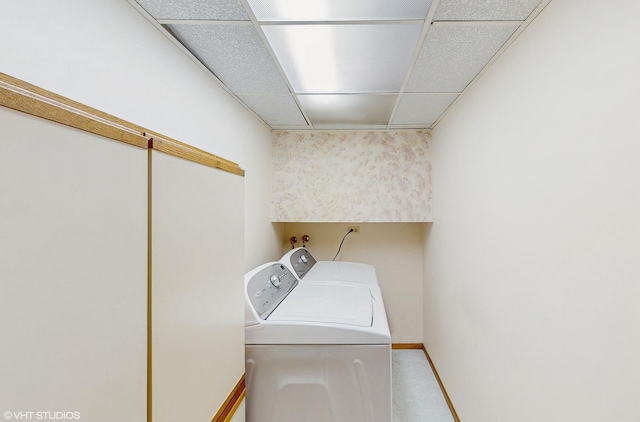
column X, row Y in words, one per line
column 416, row 394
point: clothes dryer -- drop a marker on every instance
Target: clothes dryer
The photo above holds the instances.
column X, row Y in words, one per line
column 307, row 268
column 315, row 351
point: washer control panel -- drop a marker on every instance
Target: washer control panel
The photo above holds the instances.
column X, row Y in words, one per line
column 302, row 261
column 269, row 287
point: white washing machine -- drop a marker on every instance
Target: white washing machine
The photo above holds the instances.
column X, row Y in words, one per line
column 315, row 351
column 307, row 268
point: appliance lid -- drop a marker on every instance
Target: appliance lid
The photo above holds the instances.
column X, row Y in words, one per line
column 343, row 271
column 327, row 302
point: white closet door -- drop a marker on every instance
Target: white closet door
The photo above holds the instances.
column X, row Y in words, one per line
column 197, row 288
column 73, row 271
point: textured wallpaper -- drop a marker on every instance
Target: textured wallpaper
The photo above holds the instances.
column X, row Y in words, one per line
column 351, row 176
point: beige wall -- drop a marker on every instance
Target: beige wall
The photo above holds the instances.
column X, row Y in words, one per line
column 532, row 278
column 395, row 249
column 103, row 53
column 73, row 272
column 198, row 314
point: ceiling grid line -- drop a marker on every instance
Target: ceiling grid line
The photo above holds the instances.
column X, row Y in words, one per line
column 343, row 64
column 253, row 19
column 534, row 13
column 189, row 54
column 425, row 30
column 202, row 22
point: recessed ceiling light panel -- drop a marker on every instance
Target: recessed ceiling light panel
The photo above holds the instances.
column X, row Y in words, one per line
column 353, row 110
column 338, row 10
column 344, row 58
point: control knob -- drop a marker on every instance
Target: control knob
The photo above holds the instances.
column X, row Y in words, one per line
column 275, row 281
column 303, row 259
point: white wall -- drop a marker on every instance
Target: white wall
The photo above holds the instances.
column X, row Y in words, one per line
column 73, row 272
column 103, row 53
column 198, row 312
column 532, row 281
column 395, row 249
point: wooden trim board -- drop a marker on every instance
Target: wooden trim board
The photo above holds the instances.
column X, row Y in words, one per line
column 182, row 150
column 444, row 390
column 30, row 99
column 235, row 406
column 230, row 405
column 407, row 346
column 149, row 288
column 22, row 96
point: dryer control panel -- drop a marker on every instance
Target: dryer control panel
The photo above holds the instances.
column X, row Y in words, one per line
column 269, row 287
column 302, row 261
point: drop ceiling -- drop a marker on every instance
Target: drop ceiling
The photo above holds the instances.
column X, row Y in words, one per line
column 343, row 64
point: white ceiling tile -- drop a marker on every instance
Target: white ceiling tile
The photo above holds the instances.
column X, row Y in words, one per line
column 338, row 10
column 488, row 10
column 357, row 53
column 352, row 110
column 278, row 110
column 235, row 54
column 421, row 110
column 231, row 10
column 453, row 54
column 344, row 58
